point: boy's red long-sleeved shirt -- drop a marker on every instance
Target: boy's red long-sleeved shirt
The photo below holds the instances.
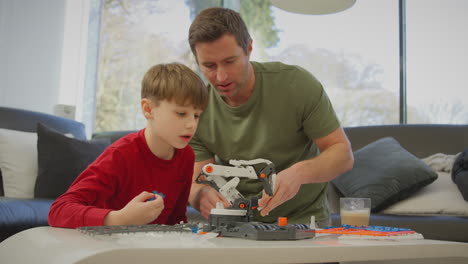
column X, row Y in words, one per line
column 121, row 172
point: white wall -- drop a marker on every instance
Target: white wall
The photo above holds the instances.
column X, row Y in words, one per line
column 31, row 38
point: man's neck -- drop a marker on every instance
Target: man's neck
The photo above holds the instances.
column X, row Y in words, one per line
column 247, row 90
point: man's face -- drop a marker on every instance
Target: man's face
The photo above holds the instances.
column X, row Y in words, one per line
column 226, row 66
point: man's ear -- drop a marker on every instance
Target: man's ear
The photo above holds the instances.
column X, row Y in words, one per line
column 249, row 47
column 146, row 106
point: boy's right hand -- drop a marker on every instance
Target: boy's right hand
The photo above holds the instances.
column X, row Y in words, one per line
column 139, row 211
column 208, row 199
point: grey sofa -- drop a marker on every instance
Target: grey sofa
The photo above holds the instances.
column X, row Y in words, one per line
column 421, row 140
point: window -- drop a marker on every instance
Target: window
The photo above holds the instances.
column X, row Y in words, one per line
column 437, row 61
column 135, row 35
column 354, row 53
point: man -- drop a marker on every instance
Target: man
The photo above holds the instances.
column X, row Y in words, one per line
column 270, row 110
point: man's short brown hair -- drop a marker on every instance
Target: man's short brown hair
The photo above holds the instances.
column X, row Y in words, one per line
column 174, row 82
column 212, row 23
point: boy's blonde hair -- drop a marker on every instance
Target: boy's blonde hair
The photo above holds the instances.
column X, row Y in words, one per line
column 174, row 82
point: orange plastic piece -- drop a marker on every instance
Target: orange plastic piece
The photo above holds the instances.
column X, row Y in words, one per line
column 209, row 169
column 262, row 175
column 242, row 205
column 282, row 221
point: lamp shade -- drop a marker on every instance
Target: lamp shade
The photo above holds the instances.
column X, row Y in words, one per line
column 313, row 7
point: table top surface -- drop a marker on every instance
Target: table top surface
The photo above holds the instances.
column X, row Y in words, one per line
column 60, row 245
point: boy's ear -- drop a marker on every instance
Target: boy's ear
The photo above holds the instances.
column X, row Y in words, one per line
column 146, row 107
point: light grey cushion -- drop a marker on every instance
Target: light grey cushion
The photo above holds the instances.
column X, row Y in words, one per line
column 385, row 172
column 18, row 162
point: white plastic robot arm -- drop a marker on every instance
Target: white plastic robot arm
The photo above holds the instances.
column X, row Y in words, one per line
column 269, row 168
column 229, row 171
column 229, row 191
column 218, row 174
column 239, row 163
column 240, row 169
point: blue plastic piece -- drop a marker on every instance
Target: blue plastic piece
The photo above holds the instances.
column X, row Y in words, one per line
column 195, row 229
column 158, row 193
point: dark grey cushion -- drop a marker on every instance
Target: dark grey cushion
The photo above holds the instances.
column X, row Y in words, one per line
column 385, row 172
column 61, row 159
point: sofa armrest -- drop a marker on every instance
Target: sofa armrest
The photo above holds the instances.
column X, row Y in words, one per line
column 25, row 120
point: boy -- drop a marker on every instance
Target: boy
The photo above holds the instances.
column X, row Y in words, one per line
column 116, row 189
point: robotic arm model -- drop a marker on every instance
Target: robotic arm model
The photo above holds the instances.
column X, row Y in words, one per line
column 217, row 176
column 237, row 219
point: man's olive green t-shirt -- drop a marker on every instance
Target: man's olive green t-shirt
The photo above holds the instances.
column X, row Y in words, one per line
column 288, row 108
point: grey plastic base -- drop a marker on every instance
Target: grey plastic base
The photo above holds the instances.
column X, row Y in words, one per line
column 237, row 226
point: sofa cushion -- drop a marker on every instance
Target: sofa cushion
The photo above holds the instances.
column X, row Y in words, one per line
column 61, row 159
column 439, row 198
column 385, row 172
column 20, row 214
column 18, row 162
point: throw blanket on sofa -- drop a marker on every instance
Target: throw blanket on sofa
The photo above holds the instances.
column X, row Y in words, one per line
column 460, row 173
column 441, row 162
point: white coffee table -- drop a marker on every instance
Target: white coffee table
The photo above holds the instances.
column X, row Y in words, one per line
column 58, row 245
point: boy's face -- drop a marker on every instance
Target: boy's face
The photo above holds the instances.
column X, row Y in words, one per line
column 225, row 65
column 171, row 125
